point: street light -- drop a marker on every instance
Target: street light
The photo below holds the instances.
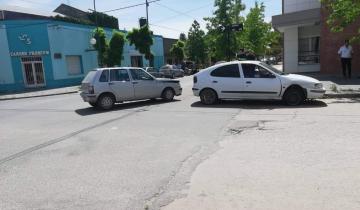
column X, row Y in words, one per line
column 93, row 41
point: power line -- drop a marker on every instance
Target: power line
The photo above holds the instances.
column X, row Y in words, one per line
column 176, row 11
column 188, row 11
column 131, row 6
column 165, row 27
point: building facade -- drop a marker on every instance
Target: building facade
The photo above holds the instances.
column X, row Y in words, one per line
column 309, row 46
column 45, row 53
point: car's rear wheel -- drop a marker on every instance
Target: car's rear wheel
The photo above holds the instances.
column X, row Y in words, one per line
column 208, row 97
column 168, row 94
column 294, row 96
column 106, row 101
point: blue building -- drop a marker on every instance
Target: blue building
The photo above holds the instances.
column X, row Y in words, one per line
column 45, row 53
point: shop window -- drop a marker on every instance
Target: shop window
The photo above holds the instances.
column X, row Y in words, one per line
column 73, row 63
column 309, row 50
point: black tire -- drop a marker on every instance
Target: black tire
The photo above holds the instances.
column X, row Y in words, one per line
column 294, row 97
column 94, row 104
column 168, row 94
column 106, row 102
column 208, row 97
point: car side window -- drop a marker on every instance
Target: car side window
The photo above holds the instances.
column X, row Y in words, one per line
column 231, row 70
column 104, row 77
column 255, row 71
column 138, row 74
column 119, row 75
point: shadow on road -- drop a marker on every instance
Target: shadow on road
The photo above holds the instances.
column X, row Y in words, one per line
column 123, row 106
column 247, row 104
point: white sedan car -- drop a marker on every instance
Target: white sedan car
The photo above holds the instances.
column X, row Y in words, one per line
column 254, row 80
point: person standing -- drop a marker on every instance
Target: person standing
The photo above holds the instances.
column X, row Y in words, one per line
column 345, row 52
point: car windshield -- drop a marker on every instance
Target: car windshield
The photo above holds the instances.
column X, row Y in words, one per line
column 90, row 76
column 273, row 69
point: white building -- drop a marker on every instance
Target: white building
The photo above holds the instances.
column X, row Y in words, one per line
column 300, row 25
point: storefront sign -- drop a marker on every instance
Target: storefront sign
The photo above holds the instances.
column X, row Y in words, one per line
column 31, row 53
column 25, row 38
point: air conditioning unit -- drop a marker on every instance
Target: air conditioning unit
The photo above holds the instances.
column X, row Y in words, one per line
column 2, row 15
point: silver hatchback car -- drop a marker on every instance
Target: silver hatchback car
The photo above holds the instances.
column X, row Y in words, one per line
column 104, row 87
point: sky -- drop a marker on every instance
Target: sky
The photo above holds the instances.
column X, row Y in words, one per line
column 168, row 18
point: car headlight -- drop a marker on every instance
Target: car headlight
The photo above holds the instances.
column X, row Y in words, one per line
column 318, row 85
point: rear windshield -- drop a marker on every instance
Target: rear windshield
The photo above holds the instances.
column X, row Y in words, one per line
column 90, row 76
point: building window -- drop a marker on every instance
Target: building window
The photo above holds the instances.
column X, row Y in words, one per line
column 136, row 61
column 309, row 50
column 73, row 63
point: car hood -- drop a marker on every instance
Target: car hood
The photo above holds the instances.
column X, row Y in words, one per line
column 300, row 78
column 167, row 80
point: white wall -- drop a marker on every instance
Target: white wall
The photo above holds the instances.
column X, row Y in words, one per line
column 291, row 47
column 300, row 5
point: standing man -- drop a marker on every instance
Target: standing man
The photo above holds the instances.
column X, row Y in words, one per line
column 345, row 52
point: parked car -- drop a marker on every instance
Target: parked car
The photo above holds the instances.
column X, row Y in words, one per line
column 154, row 72
column 105, row 86
column 172, row 71
column 254, row 80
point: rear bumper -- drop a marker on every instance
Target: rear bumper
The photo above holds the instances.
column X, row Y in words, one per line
column 88, row 97
column 315, row 93
column 178, row 92
column 196, row 91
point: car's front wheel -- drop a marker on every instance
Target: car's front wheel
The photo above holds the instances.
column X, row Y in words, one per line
column 168, row 94
column 294, row 96
column 106, row 101
column 208, row 97
column 93, row 104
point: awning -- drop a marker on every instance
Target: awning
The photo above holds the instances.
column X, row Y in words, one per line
column 305, row 17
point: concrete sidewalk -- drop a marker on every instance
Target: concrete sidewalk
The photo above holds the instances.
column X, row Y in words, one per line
column 40, row 93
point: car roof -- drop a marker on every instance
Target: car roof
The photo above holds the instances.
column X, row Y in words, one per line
column 120, row 67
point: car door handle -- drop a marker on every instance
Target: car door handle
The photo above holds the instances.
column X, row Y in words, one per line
column 248, row 82
column 215, row 81
column 135, row 83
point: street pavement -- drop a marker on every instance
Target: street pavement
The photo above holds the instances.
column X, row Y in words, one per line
column 57, row 152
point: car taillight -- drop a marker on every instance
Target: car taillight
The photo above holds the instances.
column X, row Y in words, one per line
column 195, row 79
column 91, row 90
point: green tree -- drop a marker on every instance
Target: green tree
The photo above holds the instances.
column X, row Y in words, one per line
column 195, row 46
column 257, row 35
column 142, row 39
column 227, row 12
column 101, row 45
column 177, row 50
column 341, row 14
column 116, row 48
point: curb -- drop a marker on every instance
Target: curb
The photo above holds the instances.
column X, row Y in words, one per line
column 342, row 95
column 37, row 96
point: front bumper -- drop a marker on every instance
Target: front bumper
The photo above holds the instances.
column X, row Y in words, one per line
column 315, row 93
column 88, row 97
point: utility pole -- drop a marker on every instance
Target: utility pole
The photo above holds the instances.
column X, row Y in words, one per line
column 147, row 13
column 97, row 30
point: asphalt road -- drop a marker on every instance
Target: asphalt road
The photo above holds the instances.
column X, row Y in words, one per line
column 57, row 152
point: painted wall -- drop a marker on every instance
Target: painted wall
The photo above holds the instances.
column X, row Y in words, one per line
column 68, row 39
column 36, row 31
column 6, row 74
column 300, row 5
